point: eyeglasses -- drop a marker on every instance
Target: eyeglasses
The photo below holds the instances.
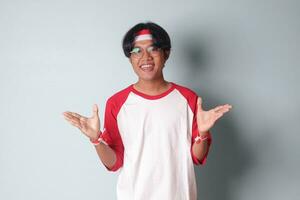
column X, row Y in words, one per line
column 138, row 52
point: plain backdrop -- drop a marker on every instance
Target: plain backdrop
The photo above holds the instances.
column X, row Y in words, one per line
column 66, row 55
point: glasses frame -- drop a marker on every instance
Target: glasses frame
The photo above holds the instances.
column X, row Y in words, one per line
column 152, row 50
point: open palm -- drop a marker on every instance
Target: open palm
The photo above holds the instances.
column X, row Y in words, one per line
column 206, row 119
column 88, row 126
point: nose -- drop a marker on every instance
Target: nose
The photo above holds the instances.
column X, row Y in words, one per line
column 146, row 55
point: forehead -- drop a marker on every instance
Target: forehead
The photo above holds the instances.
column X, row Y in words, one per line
column 143, row 43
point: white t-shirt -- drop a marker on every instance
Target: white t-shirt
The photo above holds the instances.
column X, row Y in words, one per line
column 152, row 137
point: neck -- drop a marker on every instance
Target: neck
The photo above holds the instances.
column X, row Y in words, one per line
column 152, row 87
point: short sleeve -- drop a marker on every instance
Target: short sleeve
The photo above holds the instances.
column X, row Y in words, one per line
column 111, row 135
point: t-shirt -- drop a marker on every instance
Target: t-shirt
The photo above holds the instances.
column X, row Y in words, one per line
column 152, row 137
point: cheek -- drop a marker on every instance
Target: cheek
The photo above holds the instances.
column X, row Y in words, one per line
column 135, row 69
column 134, row 64
column 160, row 62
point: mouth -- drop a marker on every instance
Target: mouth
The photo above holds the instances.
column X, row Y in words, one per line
column 147, row 67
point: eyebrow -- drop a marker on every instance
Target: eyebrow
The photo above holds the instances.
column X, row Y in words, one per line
column 141, row 47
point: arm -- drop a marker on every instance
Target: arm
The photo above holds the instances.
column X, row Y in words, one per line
column 200, row 148
column 205, row 121
column 109, row 153
column 106, row 155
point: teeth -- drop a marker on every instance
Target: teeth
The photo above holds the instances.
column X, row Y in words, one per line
column 146, row 66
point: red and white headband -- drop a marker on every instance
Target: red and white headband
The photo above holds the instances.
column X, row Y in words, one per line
column 143, row 34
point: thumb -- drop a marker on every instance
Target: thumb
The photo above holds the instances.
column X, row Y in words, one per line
column 95, row 110
column 199, row 104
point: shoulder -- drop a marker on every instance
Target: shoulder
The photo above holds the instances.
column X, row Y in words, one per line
column 119, row 97
column 190, row 96
column 185, row 91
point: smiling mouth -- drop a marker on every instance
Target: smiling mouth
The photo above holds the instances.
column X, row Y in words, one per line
column 147, row 67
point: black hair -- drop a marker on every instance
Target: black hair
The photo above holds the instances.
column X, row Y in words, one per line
column 160, row 37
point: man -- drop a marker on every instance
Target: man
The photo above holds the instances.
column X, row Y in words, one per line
column 154, row 130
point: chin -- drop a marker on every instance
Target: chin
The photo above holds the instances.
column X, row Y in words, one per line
column 146, row 79
column 148, row 76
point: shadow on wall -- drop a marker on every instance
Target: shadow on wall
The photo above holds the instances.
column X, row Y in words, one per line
column 229, row 158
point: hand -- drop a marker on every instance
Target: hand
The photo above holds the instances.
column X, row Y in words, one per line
column 206, row 119
column 88, row 126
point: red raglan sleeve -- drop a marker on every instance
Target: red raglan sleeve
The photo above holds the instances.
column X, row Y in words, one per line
column 111, row 135
column 195, row 132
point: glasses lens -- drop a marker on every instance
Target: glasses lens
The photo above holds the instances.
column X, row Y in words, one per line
column 153, row 50
column 138, row 52
column 135, row 50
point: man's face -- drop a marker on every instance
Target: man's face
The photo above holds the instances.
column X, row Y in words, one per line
column 147, row 61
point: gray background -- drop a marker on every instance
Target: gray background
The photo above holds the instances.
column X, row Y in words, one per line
column 66, row 55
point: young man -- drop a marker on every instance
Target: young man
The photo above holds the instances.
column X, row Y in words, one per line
column 154, row 130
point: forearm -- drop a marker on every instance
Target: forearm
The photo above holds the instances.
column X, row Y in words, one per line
column 200, row 149
column 106, row 154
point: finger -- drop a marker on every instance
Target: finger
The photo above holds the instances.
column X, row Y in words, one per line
column 226, row 107
column 68, row 117
column 71, row 115
column 67, row 114
column 83, row 120
column 216, row 109
column 73, row 122
column 76, row 115
column 95, row 110
column 218, row 116
column 223, row 111
column 79, row 125
column 71, row 118
column 199, row 104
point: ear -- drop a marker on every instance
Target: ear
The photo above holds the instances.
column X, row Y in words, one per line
column 167, row 54
column 130, row 60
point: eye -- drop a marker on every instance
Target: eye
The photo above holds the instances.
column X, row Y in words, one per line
column 153, row 49
column 135, row 50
